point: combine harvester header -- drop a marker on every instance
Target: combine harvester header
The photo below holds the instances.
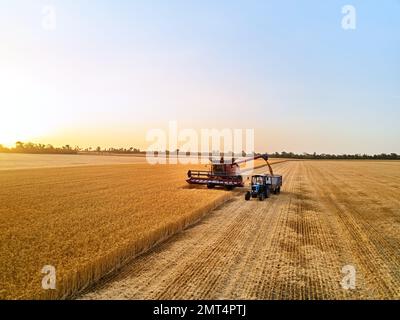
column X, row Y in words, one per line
column 223, row 173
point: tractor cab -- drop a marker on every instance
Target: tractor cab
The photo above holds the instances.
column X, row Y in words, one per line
column 258, row 180
column 259, row 187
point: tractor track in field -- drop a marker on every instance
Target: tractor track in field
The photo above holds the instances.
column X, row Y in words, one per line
column 291, row 246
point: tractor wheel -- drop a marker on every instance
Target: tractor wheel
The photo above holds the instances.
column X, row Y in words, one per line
column 247, row 196
column 261, row 197
column 210, row 186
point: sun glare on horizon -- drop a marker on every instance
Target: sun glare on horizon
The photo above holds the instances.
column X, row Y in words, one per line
column 25, row 110
column 16, row 127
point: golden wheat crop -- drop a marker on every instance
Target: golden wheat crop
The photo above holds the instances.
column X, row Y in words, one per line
column 87, row 221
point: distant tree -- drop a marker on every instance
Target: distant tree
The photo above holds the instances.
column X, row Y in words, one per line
column 19, row 145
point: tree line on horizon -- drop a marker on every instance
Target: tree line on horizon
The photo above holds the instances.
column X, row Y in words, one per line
column 310, row 156
column 33, row 148
column 39, row 148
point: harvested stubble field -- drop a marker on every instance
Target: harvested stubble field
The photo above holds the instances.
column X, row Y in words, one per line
column 293, row 246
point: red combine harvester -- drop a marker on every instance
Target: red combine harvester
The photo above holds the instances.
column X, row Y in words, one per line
column 224, row 174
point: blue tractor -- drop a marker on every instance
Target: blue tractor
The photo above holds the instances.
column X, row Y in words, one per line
column 262, row 185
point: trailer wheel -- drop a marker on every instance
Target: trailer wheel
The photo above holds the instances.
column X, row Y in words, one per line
column 210, row 186
column 267, row 193
column 229, row 188
column 261, row 197
column 279, row 190
column 247, row 196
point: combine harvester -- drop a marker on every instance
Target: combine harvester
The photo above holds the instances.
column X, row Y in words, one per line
column 224, row 174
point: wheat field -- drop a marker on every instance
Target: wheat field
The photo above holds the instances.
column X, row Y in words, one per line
column 87, row 221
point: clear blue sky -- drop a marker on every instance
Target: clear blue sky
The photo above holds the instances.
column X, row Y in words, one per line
column 113, row 69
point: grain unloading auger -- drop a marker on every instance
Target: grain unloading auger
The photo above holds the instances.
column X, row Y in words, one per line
column 223, row 173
